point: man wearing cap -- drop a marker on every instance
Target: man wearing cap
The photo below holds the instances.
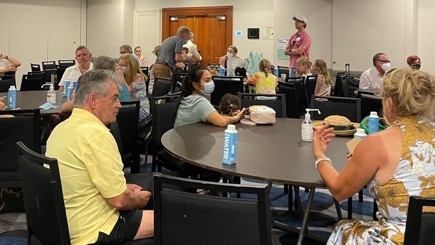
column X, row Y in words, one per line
column 298, row 44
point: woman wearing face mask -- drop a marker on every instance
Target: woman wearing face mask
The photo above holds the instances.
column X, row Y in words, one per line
column 194, row 107
column 231, row 61
column 130, row 72
column 414, row 62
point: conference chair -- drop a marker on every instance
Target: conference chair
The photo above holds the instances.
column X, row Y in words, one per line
column 35, row 67
column 283, row 70
column 66, row 63
column 292, row 100
column 162, row 86
column 420, row 223
column 182, row 216
column 331, row 105
column 33, row 82
column 370, row 103
column 125, row 131
column 43, row 200
column 274, row 101
column 48, row 65
column 5, row 82
column 224, row 85
column 17, row 125
column 298, row 84
column 177, row 81
column 310, row 86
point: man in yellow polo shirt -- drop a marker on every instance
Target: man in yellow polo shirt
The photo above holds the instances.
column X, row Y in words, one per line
column 101, row 207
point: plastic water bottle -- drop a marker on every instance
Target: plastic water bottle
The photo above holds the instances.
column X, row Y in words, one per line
column 360, row 133
column 307, row 126
column 373, row 122
column 69, row 95
column 222, row 71
column 230, row 145
column 12, row 97
column 275, row 71
column 51, row 95
column 65, row 88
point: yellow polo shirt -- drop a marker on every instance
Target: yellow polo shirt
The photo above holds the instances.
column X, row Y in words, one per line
column 90, row 170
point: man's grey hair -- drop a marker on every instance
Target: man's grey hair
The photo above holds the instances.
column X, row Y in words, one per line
column 104, row 62
column 182, row 30
column 94, row 81
column 127, row 47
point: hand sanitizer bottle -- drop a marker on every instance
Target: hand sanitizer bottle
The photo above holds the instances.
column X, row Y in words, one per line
column 230, row 145
column 307, row 126
column 51, row 95
column 12, row 97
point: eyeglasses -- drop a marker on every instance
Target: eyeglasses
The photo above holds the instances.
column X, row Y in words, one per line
column 384, row 61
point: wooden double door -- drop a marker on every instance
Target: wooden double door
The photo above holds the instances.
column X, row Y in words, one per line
column 212, row 27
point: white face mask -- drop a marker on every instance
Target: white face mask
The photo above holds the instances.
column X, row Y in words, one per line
column 229, row 54
column 209, row 87
column 386, row 66
column 123, row 69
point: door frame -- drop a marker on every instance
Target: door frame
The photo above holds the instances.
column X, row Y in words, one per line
column 227, row 11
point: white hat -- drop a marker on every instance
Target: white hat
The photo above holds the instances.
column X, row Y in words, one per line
column 300, row 18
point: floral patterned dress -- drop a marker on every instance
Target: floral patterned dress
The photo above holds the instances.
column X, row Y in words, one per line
column 414, row 176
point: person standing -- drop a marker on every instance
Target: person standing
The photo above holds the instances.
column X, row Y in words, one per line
column 371, row 78
column 298, row 44
column 101, row 207
column 84, row 64
column 8, row 64
column 170, row 53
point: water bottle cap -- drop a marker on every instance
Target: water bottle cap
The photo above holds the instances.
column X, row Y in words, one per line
column 360, row 131
column 231, row 126
column 12, row 87
column 373, row 113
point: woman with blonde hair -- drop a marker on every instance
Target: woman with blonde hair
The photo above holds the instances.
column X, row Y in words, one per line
column 129, row 71
column 324, row 81
column 395, row 163
column 264, row 80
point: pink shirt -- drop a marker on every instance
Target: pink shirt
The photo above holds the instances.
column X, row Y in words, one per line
column 295, row 41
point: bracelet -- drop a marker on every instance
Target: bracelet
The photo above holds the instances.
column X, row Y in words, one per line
column 322, row 159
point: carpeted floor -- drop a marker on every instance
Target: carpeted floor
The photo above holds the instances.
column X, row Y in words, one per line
column 321, row 221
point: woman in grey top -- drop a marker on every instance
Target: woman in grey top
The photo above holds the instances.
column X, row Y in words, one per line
column 194, row 107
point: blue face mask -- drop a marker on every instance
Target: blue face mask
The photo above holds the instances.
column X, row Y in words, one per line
column 209, row 87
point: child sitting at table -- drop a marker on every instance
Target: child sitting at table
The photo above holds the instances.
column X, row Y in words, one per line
column 264, row 80
column 229, row 105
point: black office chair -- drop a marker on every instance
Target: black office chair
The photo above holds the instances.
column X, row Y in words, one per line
column 274, row 101
column 35, row 67
column 145, row 70
column 66, row 63
column 292, row 100
column 162, row 86
column 331, row 105
column 224, row 85
column 43, row 199
column 5, row 82
column 420, row 225
column 310, row 86
column 185, row 217
column 177, row 81
column 283, row 70
column 125, row 131
column 370, row 103
column 33, row 82
column 47, row 65
column 24, row 125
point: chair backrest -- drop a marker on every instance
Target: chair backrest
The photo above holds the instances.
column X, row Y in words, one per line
column 275, row 101
column 299, row 84
column 310, row 86
column 164, row 111
column 338, row 85
column 43, row 198
column 32, row 82
column 331, row 105
column 66, row 63
column 292, row 100
column 35, row 67
column 183, row 217
column 419, row 225
column 145, row 70
column 5, row 82
column 162, row 86
column 23, row 126
column 370, row 103
column 349, row 85
column 127, row 123
column 223, row 85
column 177, row 81
column 46, row 65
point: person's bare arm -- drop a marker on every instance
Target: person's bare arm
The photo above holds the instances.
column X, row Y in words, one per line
column 181, row 58
column 221, row 120
column 131, row 198
column 13, row 62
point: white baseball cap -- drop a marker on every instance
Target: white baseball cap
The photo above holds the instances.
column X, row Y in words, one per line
column 300, row 18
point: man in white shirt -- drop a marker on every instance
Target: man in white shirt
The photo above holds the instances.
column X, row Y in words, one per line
column 371, row 78
column 83, row 64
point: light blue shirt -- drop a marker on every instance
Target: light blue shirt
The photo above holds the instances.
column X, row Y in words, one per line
column 193, row 108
